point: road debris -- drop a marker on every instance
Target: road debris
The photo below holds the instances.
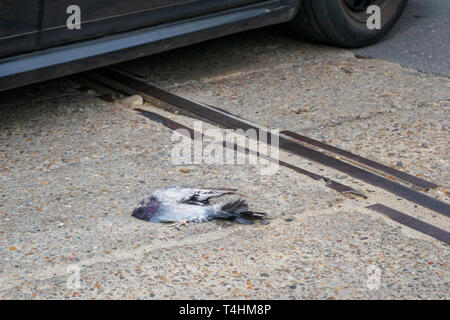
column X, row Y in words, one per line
column 133, row 101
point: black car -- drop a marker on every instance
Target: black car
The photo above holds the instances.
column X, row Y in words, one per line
column 44, row 39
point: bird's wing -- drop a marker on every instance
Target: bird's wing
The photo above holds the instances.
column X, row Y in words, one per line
column 190, row 195
column 203, row 195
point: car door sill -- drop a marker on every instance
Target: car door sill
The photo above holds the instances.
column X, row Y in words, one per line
column 64, row 60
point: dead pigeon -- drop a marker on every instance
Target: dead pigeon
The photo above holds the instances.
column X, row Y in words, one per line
column 182, row 205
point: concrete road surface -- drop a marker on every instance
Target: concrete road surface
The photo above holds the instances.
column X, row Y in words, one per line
column 73, row 167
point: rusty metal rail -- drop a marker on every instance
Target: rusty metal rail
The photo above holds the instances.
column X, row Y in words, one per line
column 133, row 85
column 380, row 168
column 173, row 125
column 411, row 222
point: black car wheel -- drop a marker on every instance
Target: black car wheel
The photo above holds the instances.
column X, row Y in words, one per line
column 344, row 22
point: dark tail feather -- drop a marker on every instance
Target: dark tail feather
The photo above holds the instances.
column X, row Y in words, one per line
column 235, row 207
column 238, row 211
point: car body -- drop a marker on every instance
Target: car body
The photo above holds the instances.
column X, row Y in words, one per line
column 37, row 44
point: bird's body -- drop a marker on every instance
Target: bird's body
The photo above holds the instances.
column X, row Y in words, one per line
column 180, row 212
column 192, row 205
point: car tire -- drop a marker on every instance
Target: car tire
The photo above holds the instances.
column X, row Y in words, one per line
column 343, row 22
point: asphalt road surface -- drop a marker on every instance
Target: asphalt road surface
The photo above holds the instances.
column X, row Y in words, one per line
column 421, row 38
